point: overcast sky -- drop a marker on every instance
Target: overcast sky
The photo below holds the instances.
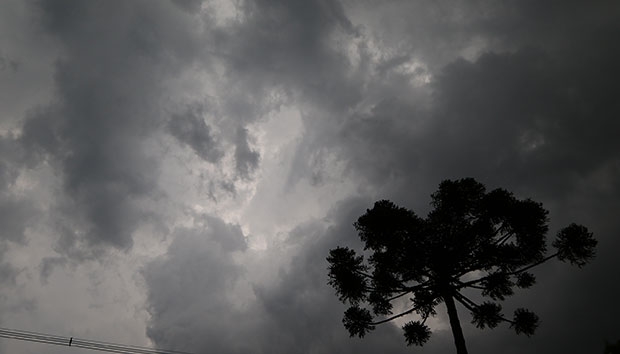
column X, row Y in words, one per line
column 173, row 173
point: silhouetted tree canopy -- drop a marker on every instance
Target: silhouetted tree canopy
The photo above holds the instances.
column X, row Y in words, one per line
column 488, row 241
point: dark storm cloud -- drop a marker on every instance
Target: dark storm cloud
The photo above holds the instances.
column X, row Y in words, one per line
column 191, row 129
column 543, row 110
column 7, row 64
column 288, row 45
column 188, row 5
column 16, row 210
column 530, row 119
column 191, row 289
column 10, row 156
column 288, row 35
column 14, row 216
column 247, row 159
column 115, row 58
column 47, row 266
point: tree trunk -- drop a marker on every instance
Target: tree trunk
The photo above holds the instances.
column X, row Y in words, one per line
column 457, row 332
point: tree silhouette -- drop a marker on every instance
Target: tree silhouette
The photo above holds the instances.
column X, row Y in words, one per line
column 611, row 348
column 472, row 239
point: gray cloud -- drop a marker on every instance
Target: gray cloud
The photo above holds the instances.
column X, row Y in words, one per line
column 15, row 214
column 7, row 64
column 191, row 129
column 247, row 159
column 108, row 84
column 47, row 266
column 17, row 210
column 192, row 288
column 288, row 47
column 289, row 37
column 521, row 96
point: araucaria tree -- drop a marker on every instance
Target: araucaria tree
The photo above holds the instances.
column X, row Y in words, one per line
column 472, row 239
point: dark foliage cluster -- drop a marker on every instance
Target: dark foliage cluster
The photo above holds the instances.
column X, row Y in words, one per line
column 487, row 241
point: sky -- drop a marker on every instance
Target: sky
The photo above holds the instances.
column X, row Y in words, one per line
column 174, row 173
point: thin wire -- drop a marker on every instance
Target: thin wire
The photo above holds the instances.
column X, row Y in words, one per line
column 81, row 343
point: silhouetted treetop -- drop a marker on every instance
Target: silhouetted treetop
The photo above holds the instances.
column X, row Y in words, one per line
column 471, row 239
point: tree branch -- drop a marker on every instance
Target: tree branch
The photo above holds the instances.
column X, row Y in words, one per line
column 409, row 289
column 500, row 241
column 363, row 274
column 472, row 305
column 417, row 287
column 463, row 299
column 534, row 264
column 470, row 283
column 399, row 295
column 395, row 316
column 462, row 285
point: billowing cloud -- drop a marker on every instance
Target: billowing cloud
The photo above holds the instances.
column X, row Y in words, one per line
column 246, row 158
column 108, row 83
column 191, row 129
column 193, row 288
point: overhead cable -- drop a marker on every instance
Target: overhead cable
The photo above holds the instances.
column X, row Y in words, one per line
column 81, row 343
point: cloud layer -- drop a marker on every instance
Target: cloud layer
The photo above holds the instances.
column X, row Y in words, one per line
column 215, row 151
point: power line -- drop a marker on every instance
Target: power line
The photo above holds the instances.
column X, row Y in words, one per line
column 81, row 343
